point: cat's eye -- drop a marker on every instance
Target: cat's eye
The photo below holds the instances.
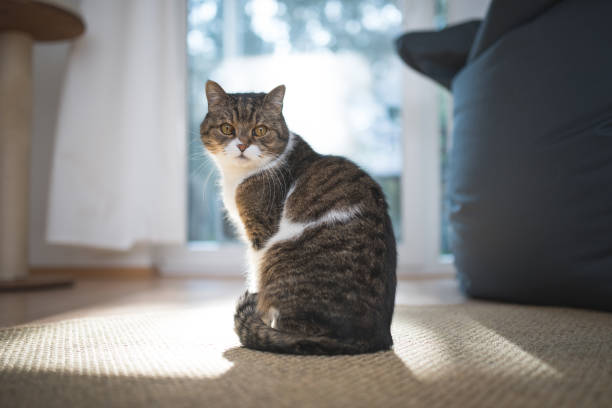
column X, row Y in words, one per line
column 260, row 131
column 227, row 129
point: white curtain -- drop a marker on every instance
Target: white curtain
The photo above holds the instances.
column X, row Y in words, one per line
column 120, row 154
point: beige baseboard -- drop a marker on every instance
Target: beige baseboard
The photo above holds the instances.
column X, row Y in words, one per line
column 131, row 272
column 97, row 272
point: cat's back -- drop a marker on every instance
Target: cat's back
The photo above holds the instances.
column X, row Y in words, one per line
column 333, row 255
column 333, row 184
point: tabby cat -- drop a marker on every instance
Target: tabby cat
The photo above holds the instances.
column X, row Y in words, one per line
column 321, row 249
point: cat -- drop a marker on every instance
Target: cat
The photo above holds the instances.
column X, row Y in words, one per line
column 321, row 249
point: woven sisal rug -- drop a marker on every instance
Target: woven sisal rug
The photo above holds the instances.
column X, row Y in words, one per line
column 470, row 355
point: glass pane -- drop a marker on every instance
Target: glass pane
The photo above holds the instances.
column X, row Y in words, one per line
column 343, row 83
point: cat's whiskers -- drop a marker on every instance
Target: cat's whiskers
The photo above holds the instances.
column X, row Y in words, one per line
column 204, row 161
column 197, row 150
column 199, row 157
column 210, row 173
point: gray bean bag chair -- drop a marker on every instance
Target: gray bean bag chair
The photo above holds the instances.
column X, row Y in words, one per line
column 531, row 166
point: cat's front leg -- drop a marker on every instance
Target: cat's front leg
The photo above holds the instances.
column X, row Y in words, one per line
column 259, row 212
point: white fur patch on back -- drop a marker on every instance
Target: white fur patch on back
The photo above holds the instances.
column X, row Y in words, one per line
column 288, row 230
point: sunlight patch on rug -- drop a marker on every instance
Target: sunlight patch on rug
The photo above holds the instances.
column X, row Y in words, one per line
column 431, row 354
column 189, row 344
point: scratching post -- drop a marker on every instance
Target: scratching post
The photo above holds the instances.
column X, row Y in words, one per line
column 21, row 23
column 16, row 106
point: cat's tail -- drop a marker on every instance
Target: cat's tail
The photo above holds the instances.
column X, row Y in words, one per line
column 255, row 334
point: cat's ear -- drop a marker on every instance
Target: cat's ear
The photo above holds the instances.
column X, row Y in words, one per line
column 274, row 99
column 215, row 94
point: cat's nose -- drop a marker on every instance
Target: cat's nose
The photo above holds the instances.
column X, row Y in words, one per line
column 242, row 146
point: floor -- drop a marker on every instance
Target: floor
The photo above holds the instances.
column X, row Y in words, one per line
column 103, row 297
column 170, row 343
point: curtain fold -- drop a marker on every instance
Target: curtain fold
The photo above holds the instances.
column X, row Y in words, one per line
column 118, row 175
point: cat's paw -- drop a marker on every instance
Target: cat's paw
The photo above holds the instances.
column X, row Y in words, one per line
column 245, row 310
column 247, row 300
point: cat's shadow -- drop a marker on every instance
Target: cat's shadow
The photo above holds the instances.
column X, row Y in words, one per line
column 316, row 380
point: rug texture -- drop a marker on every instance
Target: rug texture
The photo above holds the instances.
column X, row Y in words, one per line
column 470, row 355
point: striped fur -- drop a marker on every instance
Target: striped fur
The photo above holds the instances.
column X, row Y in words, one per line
column 322, row 249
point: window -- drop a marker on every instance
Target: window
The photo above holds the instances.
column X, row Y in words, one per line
column 343, row 81
column 347, row 93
